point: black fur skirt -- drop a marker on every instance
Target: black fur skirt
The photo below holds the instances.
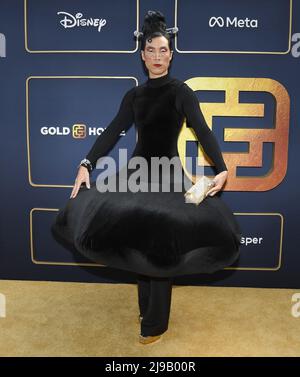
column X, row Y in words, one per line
column 154, row 233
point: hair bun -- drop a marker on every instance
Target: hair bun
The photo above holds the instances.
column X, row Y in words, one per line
column 154, row 21
column 154, row 24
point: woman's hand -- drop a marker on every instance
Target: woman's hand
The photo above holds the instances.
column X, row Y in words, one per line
column 82, row 176
column 219, row 180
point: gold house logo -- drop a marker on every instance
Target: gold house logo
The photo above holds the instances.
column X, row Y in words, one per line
column 79, row 131
column 277, row 134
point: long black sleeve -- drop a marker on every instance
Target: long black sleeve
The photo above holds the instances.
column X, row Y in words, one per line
column 122, row 121
column 187, row 103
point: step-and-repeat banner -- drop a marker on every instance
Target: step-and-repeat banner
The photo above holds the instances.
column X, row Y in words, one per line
column 64, row 68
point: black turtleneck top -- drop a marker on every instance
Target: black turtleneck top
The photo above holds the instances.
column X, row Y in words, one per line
column 158, row 108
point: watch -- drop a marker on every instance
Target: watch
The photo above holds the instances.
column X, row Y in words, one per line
column 86, row 163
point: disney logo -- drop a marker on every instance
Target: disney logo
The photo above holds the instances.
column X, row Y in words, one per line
column 70, row 21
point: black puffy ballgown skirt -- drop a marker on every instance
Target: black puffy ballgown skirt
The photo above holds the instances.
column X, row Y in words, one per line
column 152, row 233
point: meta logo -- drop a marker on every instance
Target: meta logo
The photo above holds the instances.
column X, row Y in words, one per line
column 2, row 306
column 2, row 46
column 70, row 21
column 232, row 22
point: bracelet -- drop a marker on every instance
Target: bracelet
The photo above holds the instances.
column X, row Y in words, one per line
column 87, row 164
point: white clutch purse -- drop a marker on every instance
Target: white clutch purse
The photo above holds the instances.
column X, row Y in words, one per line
column 199, row 190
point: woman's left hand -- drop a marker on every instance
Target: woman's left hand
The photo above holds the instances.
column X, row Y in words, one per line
column 219, row 180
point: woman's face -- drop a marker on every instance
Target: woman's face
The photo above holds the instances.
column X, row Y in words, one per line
column 157, row 56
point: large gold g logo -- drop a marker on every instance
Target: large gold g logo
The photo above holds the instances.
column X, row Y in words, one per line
column 278, row 134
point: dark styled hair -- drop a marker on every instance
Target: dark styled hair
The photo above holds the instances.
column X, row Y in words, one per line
column 154, row 26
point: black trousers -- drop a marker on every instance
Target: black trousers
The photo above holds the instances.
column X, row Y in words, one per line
column 154, row 295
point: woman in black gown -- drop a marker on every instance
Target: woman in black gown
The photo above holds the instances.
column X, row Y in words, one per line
column 152, row 233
